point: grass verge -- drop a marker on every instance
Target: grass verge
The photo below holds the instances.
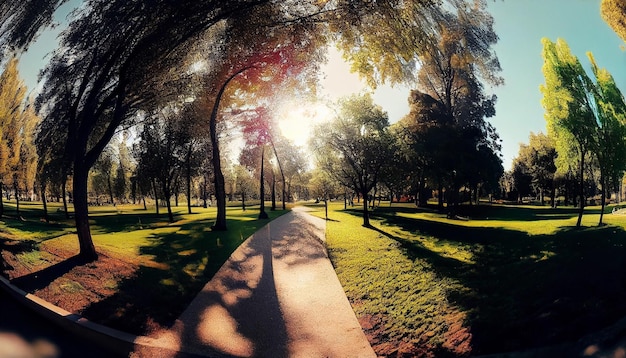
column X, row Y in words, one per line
column 509, row 278
column 148, row 271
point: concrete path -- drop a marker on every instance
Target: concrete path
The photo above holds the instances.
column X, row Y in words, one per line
column 276, row 296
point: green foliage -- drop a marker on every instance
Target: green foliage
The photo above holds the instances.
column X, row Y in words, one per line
column 583, row 116
column 614, row 12
column 356, row 146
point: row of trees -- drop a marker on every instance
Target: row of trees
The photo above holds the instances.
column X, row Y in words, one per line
column 18, row 156
column 170, row 154
column 120, row 62
column 585, row 117
column 445, row 143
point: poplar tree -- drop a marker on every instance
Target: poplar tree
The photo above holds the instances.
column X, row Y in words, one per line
column 583, row 116
column 12, row 94
column 568, row 114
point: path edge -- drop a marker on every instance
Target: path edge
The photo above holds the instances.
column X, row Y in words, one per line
column 108, row 338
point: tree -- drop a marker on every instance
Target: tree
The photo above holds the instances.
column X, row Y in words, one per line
column 355, row 147
column 12, row 94
column 114, row 55
column 453, row 144
column 609, row 108
column 569, row 117
column 585, row 113
column 614, row 12
column 323, row 187
column 538, row 161
column 244, row 184
column 26, row 168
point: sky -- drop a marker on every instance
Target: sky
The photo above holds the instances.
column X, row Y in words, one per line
column 520, row 26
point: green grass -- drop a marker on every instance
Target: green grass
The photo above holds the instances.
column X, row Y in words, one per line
column 509, row 278
column 174, row 260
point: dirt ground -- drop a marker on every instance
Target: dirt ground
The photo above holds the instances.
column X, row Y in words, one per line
column 71, row 285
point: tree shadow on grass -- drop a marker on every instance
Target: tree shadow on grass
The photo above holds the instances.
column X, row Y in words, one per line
column 185, row 261
column 526, row 291
column 114, row 222
column 42, row 278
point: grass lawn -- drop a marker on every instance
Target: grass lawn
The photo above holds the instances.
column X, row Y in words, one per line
column 148, row 272
column 509, row 278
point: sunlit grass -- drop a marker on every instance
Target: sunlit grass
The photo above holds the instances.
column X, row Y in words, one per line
column 496, row 279
column 174, row 260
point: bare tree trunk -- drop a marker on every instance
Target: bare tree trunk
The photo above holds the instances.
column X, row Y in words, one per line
column 64, row 195
column 262, row 213
column 282, row 173
column 603, row 197
column 366, row 216
column 273, row 190
column 44, row 201
column 582, row 187
column 1, row 199
column 189, row 180
column 17, row 199
column 168, row 204
column 81, row 212
column 110, row 189
column 156, row 195
column 220, row 186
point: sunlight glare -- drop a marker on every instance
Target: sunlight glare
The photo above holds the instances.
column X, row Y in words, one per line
column 296, row 120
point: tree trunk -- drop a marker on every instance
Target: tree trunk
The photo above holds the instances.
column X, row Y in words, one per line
column 326, row 207
column 602, row 197
column 63, row 194
column 168, row 204
column 282, row 173
column 156, row 195
column 44, row 201
column 262, row 213
column 553, row 195
column 145, row 207
column 189, row 180
column 1, row 199
column 81, row 213
column 220, row 186
column 582, row 188
column 273, row 190
column 440, row 196
column 110, row 190
column 366, row 216
column 243, row 201
column 17, row 199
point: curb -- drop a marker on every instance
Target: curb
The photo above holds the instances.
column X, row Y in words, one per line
column 116, row 341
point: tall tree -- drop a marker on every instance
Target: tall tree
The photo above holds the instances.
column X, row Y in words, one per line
column 609, row 109
column 355, row 147
column 569, row 117
column 26, row 169
column 113, row 54
column 12, row 94
column 454, row 144
column 585, row 113
column 538, row 158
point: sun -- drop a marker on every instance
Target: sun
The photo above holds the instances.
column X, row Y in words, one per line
column 297, row 119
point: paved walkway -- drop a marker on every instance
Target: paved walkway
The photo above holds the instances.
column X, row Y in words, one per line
column 276, row 296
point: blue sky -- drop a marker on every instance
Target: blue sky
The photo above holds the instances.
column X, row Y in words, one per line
column 520, row 24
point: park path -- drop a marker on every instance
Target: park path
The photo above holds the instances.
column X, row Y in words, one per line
column 276, row 296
